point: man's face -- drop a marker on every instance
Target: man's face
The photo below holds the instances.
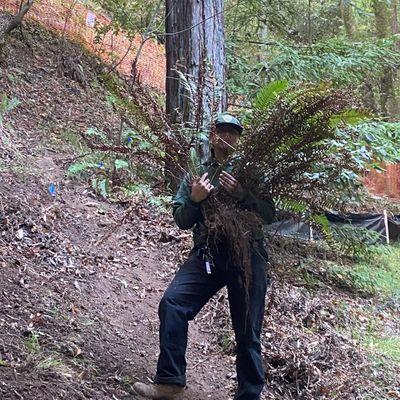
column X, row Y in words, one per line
column 225, row 138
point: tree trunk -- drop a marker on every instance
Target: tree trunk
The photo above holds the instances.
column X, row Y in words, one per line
column 263, row 34
column 346, row 12
column 367, row 92
column 395, row 21
column 395, row 31
column 195, row 46
column 309, row 28
column 9, row 22
column 383, row 23
column 368, row 96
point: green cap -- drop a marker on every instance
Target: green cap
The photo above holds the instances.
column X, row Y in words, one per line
column 226, row 119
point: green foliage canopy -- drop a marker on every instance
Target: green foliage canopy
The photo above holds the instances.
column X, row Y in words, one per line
column 335, row 60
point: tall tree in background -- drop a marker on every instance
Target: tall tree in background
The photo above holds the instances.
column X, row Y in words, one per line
column 395, row 21
column 383, row 26
column 349, row 23
column 346, row 12
column 195, row 46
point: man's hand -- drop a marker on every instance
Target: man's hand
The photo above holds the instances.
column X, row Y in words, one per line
column 229, row 183
column 201, row 188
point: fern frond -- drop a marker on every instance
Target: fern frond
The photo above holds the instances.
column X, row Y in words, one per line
column 349, row 117
column 268, row 94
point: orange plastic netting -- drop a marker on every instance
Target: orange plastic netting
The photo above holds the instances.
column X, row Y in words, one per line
column 78, row 22
column 386, row 183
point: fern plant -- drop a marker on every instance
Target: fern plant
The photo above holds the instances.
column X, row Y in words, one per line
column 287, row 150
column 286, row 153
column 267, row 95
column 111, row 164
column 160, row 202
column 6, row 106
column 308, row 148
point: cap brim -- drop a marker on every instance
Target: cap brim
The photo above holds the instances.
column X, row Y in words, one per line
column 238, row 128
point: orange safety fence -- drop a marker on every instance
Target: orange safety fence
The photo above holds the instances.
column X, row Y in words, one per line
column 79, row 23
column 385, row 183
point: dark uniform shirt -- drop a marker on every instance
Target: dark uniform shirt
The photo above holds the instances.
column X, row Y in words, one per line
column 188, row 214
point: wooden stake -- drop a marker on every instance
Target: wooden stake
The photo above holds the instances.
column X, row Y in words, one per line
column 311, row 233
column 385, row 217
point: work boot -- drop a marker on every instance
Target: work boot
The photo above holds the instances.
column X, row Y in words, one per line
column 158, row 391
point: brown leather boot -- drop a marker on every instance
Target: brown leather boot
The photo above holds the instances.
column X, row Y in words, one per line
column 158, row 391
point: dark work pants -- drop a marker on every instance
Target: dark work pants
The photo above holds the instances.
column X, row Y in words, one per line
column 189, row 291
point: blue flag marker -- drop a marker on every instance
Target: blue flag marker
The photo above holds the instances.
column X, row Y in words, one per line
column 52, row 190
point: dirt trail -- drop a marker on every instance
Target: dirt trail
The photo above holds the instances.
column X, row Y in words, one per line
column 99, row 332
column 81, row 278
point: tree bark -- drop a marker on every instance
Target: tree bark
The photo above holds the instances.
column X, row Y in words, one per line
column 368, row 97
column 263, row 34
column 195, row 46
column 309, row 28
column 395, row 21
column 346, row 12
column 9, row 22
column 383, row 22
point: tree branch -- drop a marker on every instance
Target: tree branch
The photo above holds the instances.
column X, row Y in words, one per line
column 7, row 24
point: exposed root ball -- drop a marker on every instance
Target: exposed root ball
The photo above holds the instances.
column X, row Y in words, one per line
column 234, row 227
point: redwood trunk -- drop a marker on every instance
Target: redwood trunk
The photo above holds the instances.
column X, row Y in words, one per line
column 195, row 45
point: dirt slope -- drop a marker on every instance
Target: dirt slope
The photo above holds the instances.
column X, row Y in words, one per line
column 81, row 278
column 86, row 286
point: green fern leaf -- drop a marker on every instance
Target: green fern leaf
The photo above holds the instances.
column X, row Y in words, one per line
column 322, row 221
column 121, row 164
column 268, row 94
column 292, row 205
column 79, row 167
column 349, row 117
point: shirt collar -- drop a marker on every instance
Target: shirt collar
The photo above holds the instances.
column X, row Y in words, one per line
column 213, row 162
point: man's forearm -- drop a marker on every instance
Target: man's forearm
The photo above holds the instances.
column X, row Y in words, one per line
column 187, row 214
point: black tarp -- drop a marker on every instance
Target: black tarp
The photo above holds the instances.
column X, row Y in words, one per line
column 374, row 222
column 394, row 228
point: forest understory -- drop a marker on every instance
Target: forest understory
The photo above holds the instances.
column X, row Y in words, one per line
column 81, row 276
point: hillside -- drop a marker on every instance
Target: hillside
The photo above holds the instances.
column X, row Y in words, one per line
column 81, row 276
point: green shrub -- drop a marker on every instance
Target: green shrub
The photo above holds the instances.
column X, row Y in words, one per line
column 6, row 106
column 379, row 274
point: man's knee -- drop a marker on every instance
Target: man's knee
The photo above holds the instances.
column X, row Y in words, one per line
column 167, row 302
column 173, row 304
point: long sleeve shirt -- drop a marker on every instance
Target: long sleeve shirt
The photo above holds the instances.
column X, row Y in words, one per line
column 188, row 214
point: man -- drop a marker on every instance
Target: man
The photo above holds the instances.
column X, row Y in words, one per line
column 206, row 271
